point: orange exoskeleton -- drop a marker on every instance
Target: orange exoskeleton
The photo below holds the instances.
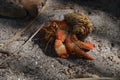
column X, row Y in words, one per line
column 69, row 35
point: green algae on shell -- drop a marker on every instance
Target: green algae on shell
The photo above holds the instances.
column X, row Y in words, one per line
column 79, row 24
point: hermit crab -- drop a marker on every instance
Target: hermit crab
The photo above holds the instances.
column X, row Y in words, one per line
column 69, row 35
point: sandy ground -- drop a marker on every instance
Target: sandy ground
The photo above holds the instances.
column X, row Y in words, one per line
column 31, row 62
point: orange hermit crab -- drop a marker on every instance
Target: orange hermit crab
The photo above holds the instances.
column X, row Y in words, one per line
column 69, row 35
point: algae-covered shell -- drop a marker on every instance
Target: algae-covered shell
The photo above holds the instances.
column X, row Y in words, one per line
column 79, row 24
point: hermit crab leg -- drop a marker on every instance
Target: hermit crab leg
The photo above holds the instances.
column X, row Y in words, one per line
column 59, row 46
column 75, row 48
column 80, row 52
column 84, row 45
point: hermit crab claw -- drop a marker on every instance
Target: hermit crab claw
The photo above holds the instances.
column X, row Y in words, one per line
column 61, row 49
column 59, row 46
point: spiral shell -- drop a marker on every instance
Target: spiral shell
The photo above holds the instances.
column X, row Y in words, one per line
column 79, row 24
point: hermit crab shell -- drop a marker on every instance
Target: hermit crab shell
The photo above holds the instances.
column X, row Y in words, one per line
column 79, row 24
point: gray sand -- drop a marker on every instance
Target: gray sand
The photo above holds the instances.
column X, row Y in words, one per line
column 31, row 63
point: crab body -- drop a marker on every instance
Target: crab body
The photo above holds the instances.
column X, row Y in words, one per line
column 66, row 33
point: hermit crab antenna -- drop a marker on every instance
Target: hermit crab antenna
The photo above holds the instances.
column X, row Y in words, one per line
column 48, row 44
